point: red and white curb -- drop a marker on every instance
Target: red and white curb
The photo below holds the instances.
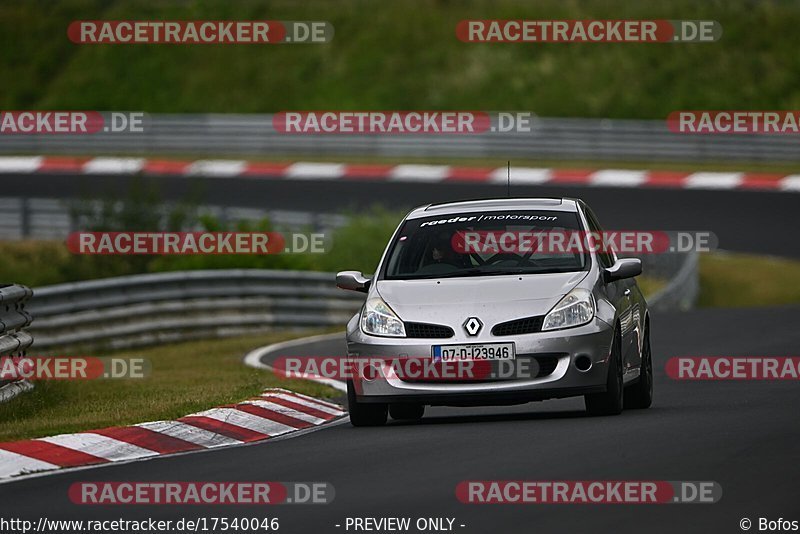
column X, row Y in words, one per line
column 401, row 173
column 275, row 412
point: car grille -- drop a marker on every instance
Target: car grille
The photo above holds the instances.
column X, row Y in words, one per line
column 527, row 325
column 426, row 330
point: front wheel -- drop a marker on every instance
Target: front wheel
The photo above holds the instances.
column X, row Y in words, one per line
column 610, row 402
column 640, row 395
column 363, row 414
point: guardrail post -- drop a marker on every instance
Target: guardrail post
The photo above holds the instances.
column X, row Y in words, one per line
column 24, row 217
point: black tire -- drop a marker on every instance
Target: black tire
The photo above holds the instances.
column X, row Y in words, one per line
column 407, row 412
column 363, row 414
column 610, row 402
column 640, row 395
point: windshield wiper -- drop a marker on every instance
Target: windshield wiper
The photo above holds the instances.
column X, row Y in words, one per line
column 465, row 273
column 479, row 272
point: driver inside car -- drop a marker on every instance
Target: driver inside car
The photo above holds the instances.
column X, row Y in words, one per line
column 442, row 252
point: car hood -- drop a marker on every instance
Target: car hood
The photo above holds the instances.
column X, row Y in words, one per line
column 497, row 298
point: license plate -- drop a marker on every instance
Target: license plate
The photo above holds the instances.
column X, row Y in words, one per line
column 474, row 352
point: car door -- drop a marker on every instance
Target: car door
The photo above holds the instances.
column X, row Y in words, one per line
column 620, row 294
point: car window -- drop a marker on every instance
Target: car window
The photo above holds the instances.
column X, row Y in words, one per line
column 607, row 258
column 483, row 244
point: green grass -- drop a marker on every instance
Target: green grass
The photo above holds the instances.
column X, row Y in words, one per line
column 650, row 285
column 357, row 245
column 403, row 55
column 726, row 279
column 185, row 378
column 734, row 280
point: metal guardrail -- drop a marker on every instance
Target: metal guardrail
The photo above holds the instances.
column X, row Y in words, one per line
column 14, row 318
column 156, row 308
column 148, row 309
column 595, row 139
column 50, row 218
column 683, row 287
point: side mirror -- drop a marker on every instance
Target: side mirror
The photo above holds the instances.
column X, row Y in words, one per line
column 623, row 268
column 352, row 280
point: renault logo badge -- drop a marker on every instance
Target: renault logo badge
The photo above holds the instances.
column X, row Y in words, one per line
column 473, row 325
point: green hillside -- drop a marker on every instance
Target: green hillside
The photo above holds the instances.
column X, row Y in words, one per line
column 402, row 55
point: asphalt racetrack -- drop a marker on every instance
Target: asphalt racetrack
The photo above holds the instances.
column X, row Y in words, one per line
column 744, row 221
column 743, row 435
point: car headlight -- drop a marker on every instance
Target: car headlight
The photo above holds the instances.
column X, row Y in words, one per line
column 378, row 319
column 575, row 309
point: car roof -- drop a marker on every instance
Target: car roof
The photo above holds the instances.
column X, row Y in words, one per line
column 495, row 204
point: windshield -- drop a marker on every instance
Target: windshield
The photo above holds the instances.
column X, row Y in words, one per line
column 475, row 244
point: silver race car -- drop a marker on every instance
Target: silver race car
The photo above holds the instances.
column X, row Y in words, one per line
column 464, row 310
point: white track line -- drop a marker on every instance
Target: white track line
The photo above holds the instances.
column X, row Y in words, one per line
column 253, row 358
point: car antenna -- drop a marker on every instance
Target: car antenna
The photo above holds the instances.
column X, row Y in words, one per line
column 508, row 181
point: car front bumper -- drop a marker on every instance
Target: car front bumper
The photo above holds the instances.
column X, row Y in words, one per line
column 592, row 340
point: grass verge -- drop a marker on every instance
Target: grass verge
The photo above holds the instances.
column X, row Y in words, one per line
column 650, row 285
column 37, row 263
column 403, row 55
column 186, row 378
column 734, row 280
